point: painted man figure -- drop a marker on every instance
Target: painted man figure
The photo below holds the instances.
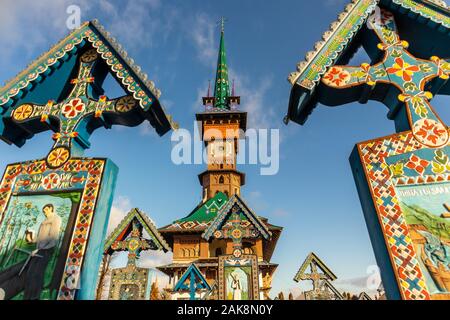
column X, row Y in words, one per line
column 28, row 276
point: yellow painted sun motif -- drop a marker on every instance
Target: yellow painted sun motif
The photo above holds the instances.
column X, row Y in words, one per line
column 133, row 244
column 125, row 104
column 89, row 56
column 57, row 157
column 236, row 234
column 23, row 112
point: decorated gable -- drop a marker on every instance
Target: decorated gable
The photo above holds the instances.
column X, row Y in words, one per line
column 192, row 281
column 236, row 214
column 134, row 223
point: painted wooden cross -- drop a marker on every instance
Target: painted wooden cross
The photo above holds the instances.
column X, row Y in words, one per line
column 75, row 117
column 316, row 277
column 192, row 280
column 134, row 244
column 319, row 274
column 415, row 79
column 236, row 232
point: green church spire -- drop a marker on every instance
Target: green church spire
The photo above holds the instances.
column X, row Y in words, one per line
column 222, row 86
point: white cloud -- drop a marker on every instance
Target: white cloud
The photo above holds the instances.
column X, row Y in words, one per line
column 254, row 99
column 202, row 33
column 136, row 22
column 119, row 210
column 29, row 28
column 354, row 285
column 26, row 25
column 255, row 194
column 202, row 91
column 153, row 259
column 145, row 129
column 280, row 213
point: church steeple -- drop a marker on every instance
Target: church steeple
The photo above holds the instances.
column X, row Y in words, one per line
column 221, row 126
column 222, row 84
column 222, row 99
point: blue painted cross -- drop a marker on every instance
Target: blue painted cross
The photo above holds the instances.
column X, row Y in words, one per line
column 75, row 117
column 416, row 80
column 192, row 280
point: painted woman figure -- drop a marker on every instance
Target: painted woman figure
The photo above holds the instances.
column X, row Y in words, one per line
column 29, row 275
column 236, row 286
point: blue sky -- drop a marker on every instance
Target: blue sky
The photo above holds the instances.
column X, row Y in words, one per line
column 313, row 196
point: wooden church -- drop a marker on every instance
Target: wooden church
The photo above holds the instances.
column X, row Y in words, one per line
column 222, row 232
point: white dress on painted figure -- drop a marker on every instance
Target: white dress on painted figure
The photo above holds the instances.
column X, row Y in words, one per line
column 236, row 286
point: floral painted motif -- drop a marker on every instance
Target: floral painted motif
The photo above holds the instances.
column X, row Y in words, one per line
column 396, row 169
column 443, row 67
column 73, row 108
column 57, row 157
column 336, row 77
column 441, row 163
column 403, row 69
column 419, row 107
column 51, row 181
column 430, row 133
column 417, row 164
column 364, row 73
column 23, row 112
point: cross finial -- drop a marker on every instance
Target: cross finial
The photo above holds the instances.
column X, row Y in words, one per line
column 222, row 24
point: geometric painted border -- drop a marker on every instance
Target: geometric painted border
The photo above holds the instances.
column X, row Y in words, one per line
column 93, row 168
column 236, row 202
column 373, row 154
column 120, row 232
column 334, row 41
column 253, row 260
column 426, row 12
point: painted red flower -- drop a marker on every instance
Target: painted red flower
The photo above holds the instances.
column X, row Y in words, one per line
column 51, row 181
column 430, row 131
column 417, row 164
column 336, row 76
column 73, row 108
column 403, row 69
